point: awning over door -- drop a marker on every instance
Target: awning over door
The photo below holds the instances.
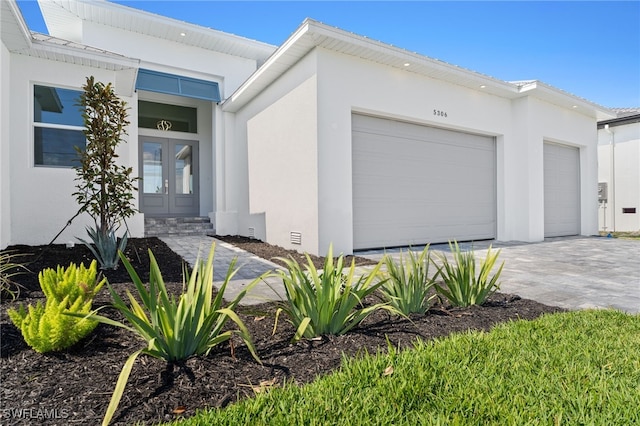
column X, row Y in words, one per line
column 414, row 184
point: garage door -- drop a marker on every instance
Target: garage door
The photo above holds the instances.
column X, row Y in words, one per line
column 414, row 184
column 561, row 190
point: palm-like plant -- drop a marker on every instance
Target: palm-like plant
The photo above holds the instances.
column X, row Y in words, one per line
column 176, row 329
column 462, row 286
column 409, row 287
column 326, row 302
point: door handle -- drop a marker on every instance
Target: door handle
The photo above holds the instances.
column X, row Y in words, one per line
column 166, row 186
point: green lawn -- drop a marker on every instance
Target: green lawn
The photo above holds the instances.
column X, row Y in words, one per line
column 576, row 368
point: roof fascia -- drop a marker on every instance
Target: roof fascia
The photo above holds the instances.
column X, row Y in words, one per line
column 544, row 91
column 305, row 38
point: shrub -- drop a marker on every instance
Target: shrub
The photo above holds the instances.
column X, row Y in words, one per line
column 45, row 327
column 8, row 269
column 104, row 189
column 409, row 285
column 462, row 286
column 176, row 329
column 324, row 302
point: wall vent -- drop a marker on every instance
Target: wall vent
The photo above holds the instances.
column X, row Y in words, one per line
column 252, row 233
column 296, row 238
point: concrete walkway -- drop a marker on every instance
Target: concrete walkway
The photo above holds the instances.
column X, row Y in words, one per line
column 251, row 267
column 574, row 273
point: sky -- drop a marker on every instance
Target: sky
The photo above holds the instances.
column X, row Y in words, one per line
column 590, row 49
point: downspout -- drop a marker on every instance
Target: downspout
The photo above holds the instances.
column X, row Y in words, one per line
column 612, row 190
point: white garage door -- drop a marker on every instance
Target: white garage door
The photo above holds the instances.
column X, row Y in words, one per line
column 414, row 184
column 561, row 190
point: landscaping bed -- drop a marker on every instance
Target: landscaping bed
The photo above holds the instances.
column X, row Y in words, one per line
column 74, row 386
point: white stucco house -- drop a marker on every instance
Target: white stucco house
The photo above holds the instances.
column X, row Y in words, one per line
column 619, row 171
column 329, row 138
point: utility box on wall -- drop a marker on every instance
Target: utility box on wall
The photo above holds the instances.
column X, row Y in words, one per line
column 602, row 192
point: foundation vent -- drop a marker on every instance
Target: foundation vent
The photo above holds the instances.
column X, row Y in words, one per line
column 296, row 238
column 252, row 233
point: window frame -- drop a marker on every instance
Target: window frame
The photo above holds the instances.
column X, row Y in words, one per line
column 44, row 125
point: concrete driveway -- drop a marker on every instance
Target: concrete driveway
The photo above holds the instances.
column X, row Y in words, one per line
column 574, row 272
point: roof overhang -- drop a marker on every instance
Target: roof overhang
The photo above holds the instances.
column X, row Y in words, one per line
column 13, row 29
column 64, row 19
column 312, row 34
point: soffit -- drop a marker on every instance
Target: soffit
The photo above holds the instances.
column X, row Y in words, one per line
column 13, row 30
column 64, row 17
column 312, row 34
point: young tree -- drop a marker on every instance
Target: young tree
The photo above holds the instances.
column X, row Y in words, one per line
column 104, row 189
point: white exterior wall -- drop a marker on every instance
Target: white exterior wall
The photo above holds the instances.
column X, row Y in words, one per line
column 624, row 187
column 563, row 126
column 162, row 55
column 41, row 197
column 5, row 148
column 346, row 84
column 279, row 179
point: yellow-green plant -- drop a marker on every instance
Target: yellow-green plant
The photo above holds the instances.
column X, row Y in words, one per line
column 46, row 327
column 325, row 302
column 176, row 329
column 409, row 287
column 463, row 287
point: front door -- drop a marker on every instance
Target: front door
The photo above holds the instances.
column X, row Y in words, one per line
column 169, row 185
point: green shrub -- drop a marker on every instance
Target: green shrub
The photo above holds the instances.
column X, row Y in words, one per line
column 409, row 285
column 46, row 327
column 463, row 287
column 106, row 246
column 8, row 269
column 324, row 302
column 176, row 329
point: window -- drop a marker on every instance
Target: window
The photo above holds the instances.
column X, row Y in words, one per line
column 57, row 125
column 153, row 115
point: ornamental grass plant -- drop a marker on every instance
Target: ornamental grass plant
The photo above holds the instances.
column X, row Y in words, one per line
column 409, row 288
column 176, row 329
column 327, row 301
column 463, row 286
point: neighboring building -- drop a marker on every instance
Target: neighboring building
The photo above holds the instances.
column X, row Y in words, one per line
column 619, row 171
column 329, row 138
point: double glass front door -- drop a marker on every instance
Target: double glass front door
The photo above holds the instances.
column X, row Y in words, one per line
column 169, row 185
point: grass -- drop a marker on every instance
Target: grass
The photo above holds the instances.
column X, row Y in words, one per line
column 570, row 368
column 623, row 235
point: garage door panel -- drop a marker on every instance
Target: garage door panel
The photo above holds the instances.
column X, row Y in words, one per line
column 415, row 184
column 561, row 190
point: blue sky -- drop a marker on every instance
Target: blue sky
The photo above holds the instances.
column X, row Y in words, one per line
column 590, row 49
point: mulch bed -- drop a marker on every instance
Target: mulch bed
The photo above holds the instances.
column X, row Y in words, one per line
column 74, row 386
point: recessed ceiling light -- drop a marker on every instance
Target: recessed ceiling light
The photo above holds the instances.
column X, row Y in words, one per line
column 482, row 86
column 575, row 106
column 183, row 34
column 406, row 64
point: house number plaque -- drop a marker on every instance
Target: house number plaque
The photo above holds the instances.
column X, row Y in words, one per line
column 439, row 113
column 163, row 125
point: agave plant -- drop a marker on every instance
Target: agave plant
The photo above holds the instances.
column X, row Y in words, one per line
column 176, row 329
column 327, row 301
column 105, row 246
column 409, row 287
column 463, row 287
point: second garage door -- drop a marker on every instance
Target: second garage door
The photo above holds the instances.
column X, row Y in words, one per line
column 561, row 190
column 414, row 184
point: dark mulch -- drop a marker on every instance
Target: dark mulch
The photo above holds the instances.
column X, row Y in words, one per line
column 274, row 253
column 75, row 385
